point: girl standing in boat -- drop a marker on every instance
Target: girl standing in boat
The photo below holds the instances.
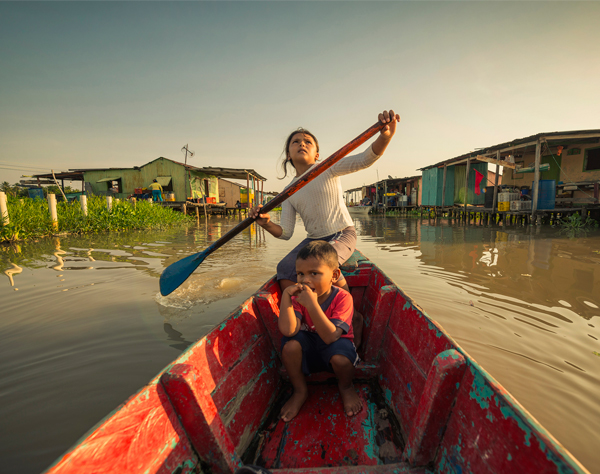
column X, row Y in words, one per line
column 321, row 202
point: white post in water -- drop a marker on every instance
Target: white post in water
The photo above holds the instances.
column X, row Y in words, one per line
column 109, row 202
column 83, row 200
column 52, row 207
column 4, row 208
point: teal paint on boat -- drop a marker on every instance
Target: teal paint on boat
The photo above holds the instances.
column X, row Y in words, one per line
column 508, row 412
column 480, row 390
column 370, row 432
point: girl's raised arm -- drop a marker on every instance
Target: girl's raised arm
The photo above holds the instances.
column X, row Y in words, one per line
column 386, row 134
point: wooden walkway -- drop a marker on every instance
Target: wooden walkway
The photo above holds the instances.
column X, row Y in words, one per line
column 481, row 215
column 187, row 206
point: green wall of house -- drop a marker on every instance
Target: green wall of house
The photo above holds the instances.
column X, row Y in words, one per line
column 132, row 178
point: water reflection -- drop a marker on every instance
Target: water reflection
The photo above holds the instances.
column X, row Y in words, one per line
column 14, row 270
column 523, row 301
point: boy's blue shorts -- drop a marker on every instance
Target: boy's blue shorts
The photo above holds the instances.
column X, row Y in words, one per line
column 316, row 354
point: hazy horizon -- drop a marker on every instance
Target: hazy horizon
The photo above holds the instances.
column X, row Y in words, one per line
column 103, row 84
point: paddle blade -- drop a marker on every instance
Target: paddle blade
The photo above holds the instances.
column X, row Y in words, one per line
column 176, row 273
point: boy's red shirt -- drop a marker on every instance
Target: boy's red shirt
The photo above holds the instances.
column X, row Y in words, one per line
column 338, row 307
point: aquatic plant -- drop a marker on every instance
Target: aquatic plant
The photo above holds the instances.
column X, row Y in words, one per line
column 576, row 222
column 30, row 218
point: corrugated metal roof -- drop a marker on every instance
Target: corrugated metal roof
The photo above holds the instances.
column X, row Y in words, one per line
column 230, row 173
column 549, row 136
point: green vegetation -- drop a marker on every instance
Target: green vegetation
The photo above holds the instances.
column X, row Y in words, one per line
column 575, row 222
column 30, row 218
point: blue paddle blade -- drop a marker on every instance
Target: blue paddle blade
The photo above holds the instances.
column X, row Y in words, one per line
column 176, row 273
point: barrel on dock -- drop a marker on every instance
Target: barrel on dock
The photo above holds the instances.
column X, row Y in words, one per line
column 547, row 194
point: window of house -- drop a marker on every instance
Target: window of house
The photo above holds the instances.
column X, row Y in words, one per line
column 591, row 161
column 115, row 186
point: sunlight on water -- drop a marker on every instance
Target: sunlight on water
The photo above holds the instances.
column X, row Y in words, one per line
column 88, row 327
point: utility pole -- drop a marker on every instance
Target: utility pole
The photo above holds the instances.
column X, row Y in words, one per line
column 187, row 150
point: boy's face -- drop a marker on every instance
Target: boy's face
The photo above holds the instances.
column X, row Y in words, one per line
column 316, row 274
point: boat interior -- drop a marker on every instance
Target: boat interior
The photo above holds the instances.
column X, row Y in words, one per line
column 427, row 406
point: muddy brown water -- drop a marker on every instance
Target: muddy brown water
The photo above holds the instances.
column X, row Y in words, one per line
column 83, row 326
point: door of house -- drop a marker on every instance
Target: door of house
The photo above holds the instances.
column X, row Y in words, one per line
column 554, row 172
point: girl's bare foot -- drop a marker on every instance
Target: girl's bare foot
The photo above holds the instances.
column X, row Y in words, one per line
column 351, row 400
column 293, row 405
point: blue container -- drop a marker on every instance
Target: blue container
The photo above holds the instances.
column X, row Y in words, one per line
column 36, row 193
column 546, row 194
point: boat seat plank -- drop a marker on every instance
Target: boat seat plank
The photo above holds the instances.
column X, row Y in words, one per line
column 322, row 435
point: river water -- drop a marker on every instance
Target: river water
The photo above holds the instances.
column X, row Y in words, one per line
column 83, row 326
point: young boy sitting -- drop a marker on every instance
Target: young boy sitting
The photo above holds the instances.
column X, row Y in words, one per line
column 315, row 319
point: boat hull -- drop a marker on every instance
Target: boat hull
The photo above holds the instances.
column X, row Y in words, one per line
column 427, row 405
column 359, row 210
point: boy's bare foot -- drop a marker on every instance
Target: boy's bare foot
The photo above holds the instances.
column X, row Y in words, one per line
column 293, row 405
column 352, row 402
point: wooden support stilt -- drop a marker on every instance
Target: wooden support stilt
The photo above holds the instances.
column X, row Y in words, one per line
column 444, row 186
column 4, row 209
column 52, row 208
column 536, row 177
column 467, row 181
column 83, row 201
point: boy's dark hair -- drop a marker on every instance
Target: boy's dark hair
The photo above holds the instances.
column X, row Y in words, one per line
column 286, row 148
column 320, row 250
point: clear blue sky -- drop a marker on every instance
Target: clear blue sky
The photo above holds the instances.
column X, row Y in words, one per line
column 95, row 84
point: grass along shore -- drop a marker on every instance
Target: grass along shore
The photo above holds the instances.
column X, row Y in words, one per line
column 30, row 218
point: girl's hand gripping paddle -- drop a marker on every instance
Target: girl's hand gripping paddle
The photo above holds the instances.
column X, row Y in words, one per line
column 176, row 273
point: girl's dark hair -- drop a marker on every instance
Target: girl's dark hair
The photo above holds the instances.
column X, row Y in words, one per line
column 286, row 148
column 322, row 251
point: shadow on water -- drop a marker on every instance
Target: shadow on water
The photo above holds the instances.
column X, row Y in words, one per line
column 180, row 343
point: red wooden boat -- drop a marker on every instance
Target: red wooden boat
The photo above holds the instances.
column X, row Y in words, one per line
column 427, row 405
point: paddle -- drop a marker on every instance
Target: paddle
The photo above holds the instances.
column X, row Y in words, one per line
column 176, row 273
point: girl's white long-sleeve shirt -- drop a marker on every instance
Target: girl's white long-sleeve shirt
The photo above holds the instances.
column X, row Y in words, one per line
column 321, row 202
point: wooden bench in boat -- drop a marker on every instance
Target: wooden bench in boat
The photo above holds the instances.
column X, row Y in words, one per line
column 427, row 406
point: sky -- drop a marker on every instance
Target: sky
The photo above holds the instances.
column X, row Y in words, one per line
column 119, row 84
